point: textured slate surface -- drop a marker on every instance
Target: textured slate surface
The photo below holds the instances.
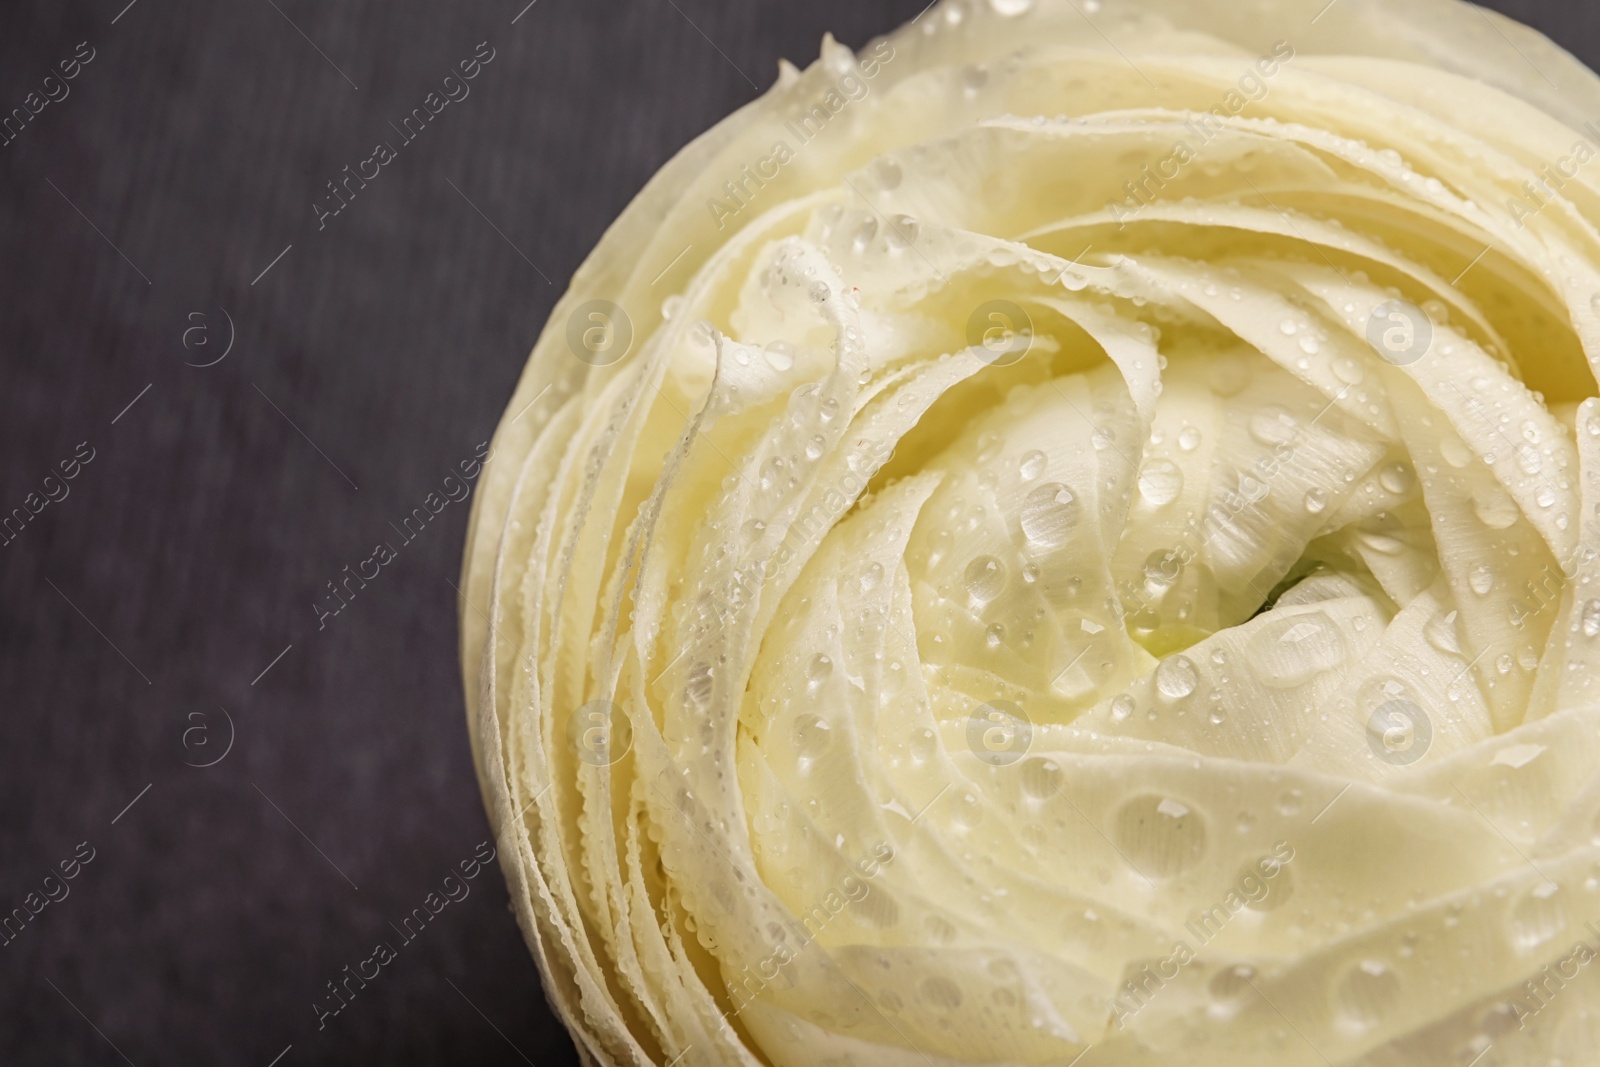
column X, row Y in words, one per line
column 366, row 364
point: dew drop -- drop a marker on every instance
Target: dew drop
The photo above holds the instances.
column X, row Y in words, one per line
column 1161, row 570
column 1160, row 836
column 1227, row 375
column 1273, row 426
column 1176, row 677
column 1033, row 464
column 871, row 575
column 1231, row 991
column 1279, row 887
column 1365, row 993
column 1481, row 579
column 700, row 681
column 1049, row 514
column 1455, row 452
column 771, row 471
column 1495, row 508
column 1290, row 652
column 780, row 354
column 1348, row 370
column 1397, row 478
column 1252, row 488
column 1539, row 916
column 985, row 578
column 903, row 231
column 1160, row 482
column 811, row 736
column 1040, row 778
column 1591, row 619
column 889, row 174
column 1528, row 459
column 1442, row 634
column 865, row 233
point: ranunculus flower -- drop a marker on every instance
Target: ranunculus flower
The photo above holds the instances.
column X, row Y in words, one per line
column 1069, row 536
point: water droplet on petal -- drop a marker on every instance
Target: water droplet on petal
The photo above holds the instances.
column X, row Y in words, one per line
column 1495, row 508
column 1455, row 451
column 1397, row 478
column 1231, row 991
column 811, row 736
column 1442, row 634
column 1049, row 514
column 1274, row 426
column 1176, row 677
column 1591, row 619
column 1040, row 778
column 699, row 684
column 780, row 354
column 1539, row 916
column 1517, row 756
column 1481, row 579
column 871, row 575
column 1529, row 461
column 889, row 174
column 1161, row 571
column 1228, row 374
column 985, row 578
column 1160, row 836
column 1365, row 994
column 1160, row 482
column 1290, row 652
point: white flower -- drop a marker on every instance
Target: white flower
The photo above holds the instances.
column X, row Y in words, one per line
column 1071, row 532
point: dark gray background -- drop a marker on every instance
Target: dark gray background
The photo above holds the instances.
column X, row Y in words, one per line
column 377, row 353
